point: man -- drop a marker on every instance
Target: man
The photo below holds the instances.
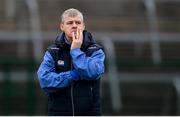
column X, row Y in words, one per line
column 71, row 69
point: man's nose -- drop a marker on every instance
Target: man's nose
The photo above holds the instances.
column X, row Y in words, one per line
column 74, row 24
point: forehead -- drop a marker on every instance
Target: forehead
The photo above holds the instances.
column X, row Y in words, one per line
column 74, row 18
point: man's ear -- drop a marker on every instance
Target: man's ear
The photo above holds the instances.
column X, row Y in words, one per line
column 61, row 26
column 83, row 26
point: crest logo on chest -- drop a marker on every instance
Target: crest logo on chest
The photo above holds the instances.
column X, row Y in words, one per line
column 60, row 62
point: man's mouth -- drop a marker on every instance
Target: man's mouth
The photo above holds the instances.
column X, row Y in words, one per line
column 74, row 30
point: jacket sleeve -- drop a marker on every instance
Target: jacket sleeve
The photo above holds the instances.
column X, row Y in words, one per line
column 49, row 80
column 90, row 68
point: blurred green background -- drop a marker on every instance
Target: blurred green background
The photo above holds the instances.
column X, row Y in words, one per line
column 141, row 40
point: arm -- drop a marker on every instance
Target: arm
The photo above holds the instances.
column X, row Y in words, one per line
column 49, row 80
column 89, row 68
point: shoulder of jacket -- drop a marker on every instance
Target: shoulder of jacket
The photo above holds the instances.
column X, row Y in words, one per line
column 95, row 46
column 92, row 48
column 53, row 47
column 53, row 50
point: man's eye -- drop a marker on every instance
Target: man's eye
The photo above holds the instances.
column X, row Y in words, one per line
column 78, row 22
column 69, row 23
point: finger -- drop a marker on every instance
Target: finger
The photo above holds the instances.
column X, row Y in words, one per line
column 77, row 34
column 73, row 35
column 81, row 34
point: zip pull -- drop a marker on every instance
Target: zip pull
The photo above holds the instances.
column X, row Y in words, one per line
column 91, row 88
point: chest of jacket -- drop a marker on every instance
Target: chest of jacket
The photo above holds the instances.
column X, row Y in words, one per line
column 63, row 61
column 85, row 93
column 81, row 88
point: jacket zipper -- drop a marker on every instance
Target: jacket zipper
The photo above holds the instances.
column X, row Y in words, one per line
column 72, row 97
column 72, row 100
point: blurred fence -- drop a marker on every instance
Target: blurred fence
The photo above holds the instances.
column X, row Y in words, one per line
column 19, row 88
column 141, row 41
column 142, row 93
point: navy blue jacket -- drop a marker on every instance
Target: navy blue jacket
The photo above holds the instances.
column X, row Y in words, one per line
column 71, row 78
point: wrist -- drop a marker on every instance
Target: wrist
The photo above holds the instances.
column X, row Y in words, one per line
column 75, row 45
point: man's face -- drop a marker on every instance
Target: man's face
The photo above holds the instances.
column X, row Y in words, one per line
column 70, row 25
